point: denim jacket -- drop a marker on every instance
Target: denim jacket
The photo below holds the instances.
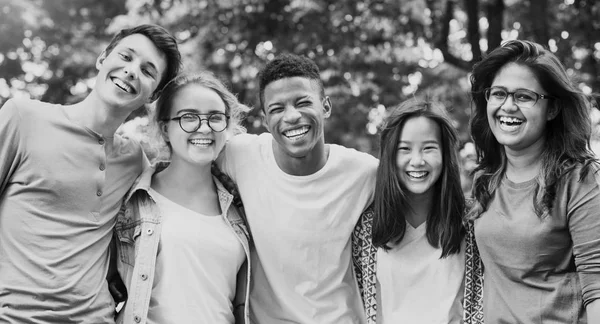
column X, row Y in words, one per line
column 138, row 232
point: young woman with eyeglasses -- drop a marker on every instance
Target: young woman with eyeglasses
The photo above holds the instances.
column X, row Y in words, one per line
column 182, row 240
column 534, row 227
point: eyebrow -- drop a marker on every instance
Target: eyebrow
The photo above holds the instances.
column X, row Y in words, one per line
column 303, row 97
column 150, row 63
column 196, row 111
column 425, row 142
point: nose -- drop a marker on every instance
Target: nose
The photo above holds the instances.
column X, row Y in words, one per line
column 291, row 115
column 130, row 71
column 204, row 128
column 509, row 105
column 416, row 158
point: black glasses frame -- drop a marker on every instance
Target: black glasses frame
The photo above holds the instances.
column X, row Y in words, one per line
column 512, row 93
column 200, row 118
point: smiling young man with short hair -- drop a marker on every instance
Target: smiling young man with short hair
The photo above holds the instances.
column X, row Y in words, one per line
column 63, row 175
column 302, row 198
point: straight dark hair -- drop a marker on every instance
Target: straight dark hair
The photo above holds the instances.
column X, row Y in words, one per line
column 444, row 222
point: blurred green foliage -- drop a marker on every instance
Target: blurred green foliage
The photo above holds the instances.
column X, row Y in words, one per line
column 373, row 53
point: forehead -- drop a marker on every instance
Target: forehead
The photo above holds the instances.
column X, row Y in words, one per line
column 145, row 49
column 420, row 129
column 197, row 98
column 291, row 88
column 514, row 76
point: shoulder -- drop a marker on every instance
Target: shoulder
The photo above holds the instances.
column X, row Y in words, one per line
column 584, row 175
column 24, row 107
column 354, row 159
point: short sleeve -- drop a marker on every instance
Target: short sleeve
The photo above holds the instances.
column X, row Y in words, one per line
column 584, row 226
column 233, row 154
column 9, row 142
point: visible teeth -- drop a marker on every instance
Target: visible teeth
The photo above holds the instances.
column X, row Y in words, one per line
column 417, row 174
column 201, row 141
column 510, row 120
column 123, row 85
column 297, row 132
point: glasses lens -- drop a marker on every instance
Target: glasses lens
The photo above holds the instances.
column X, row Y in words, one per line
column 496, row 96
column 189, row 122
column 217, row 121
column 525, row 98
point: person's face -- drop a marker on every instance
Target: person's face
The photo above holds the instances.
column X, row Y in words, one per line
column 129, row 74
column 419, row 155
column 203, row 145
column 294, row 115
column 518, row 128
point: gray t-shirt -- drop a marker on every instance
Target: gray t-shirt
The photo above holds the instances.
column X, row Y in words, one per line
column 60, row 191
column 541, row 270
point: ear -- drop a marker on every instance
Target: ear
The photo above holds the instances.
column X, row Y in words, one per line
column 100, row 60
column 326, row 107
column 264, row 119
column 164, row 130
column 553, row 111
column 154, row 96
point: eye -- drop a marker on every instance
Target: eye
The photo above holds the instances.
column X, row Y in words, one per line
column 188, row 118
column 430, row 148
column 403, row 148
column 217, row 118
column 497, row 93
column 148, row 72
column 304, row 104
column 524, row 96
column 275, row 110
column 125, row 57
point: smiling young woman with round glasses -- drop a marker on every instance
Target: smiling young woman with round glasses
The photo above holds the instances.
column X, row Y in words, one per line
column 182, row 213
column 536, row 193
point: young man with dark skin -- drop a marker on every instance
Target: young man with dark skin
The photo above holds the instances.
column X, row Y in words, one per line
column 63, row 175
column 302, row 198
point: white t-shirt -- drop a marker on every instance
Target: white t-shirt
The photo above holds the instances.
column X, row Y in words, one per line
column 196, row 267
column 301, row 226
column 416, row 286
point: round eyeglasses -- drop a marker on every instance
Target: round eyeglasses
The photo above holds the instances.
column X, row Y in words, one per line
column 496, row 96
column 190, row 123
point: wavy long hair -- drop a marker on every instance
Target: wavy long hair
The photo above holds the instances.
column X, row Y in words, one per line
column 567, row 135
column 444, row 222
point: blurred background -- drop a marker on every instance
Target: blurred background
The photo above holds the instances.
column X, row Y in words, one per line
column 373, row 54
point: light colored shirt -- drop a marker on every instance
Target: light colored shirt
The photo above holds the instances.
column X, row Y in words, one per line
column 198, row 260
column 541, row 270
column 416, row 286
column 301, row 226
column 60, row 191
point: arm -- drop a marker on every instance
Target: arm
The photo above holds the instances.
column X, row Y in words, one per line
column 584, row 227
column 9, row 133
column 593, row 312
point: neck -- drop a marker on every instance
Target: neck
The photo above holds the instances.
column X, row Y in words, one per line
column 314, row 161
column 420, row 207
column 524, row 165
column 98, row 116
column 184, row 179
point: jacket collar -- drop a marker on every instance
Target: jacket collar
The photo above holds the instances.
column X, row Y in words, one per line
column 142, row 183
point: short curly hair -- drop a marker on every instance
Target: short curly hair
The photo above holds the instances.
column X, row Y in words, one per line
column 288, row 66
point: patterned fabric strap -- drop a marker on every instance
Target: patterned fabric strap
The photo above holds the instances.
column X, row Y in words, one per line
column 364, row 260
column 473, row 302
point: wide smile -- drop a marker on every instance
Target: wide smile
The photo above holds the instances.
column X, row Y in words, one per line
column 510, row 124
column 201, row 142
column 417, row 175
column 296, row 133
column 123, row 85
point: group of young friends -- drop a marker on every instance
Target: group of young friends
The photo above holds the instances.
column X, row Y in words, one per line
column 284, row 228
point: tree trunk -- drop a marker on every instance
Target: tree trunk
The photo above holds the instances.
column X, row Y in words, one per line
column 495, row 16
column 538, row 10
